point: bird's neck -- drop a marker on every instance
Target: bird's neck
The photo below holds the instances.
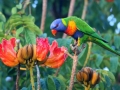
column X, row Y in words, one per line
column 71, row 28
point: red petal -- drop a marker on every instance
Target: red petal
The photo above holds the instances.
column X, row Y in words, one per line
column 7, row 52
column 42, row 48
column 57, row 56
column 13, row 42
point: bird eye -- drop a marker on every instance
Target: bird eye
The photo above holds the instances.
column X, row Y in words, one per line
column 56, row 26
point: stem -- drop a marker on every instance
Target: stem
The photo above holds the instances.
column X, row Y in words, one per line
column 38, row 77
column 18, row 75
column 75, row 60
column 87, row 88
column 88, row 54
column 44, row 8
column 18, row 67
column 32, row 78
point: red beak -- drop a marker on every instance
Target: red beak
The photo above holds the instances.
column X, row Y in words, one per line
column 54, row 32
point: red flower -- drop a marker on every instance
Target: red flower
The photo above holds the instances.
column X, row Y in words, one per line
column 7, row 52
column 42, row 48
column 56, row 57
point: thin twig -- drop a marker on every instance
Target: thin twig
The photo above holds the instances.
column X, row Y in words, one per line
column 44, row 9
column 18, row 76
column 71, row 9
column 38, row 77
column 88, row 54
column 57, row 71
column 32, row 78
column 18, row 68
column 69, row 54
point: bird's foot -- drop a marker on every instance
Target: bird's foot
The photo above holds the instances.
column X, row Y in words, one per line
column 74, row 48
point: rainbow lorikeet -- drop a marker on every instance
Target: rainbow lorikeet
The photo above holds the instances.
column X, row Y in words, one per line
column 79, row 30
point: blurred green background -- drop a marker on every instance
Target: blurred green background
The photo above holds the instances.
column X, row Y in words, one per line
column 103, row 15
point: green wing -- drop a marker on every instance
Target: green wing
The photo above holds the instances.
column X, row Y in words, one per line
column 84, row 27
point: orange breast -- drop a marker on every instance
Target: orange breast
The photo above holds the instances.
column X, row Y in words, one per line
column 71, row 29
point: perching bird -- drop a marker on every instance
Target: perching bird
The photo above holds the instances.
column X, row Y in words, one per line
column 79, row 30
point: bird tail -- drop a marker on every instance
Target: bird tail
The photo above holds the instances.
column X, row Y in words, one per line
column 105, row 45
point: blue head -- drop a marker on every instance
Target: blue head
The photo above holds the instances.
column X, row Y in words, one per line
column 57, row 26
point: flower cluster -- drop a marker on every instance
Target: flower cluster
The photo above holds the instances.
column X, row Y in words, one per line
column 48, row 55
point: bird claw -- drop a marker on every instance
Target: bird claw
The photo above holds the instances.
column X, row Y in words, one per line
column 74, row 48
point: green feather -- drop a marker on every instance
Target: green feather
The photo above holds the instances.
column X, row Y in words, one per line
column 89, row 33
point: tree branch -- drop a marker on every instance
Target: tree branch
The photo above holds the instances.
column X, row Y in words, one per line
column 75, row 61
column 84, row 9
column 44, row 8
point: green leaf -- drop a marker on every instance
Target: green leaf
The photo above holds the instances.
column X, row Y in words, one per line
column 1, row 34
column 108, row 82
column 57, row 83
column 43, row 84
column 99, row 60
column 116, row 41
column 2, row 17
column 1, row 26
column 107, row 73
column 34, row 28
column 14, row 10
column 101, row 85
column 113, row 64
column 19, row 6
column 20, row 30
column 24, row 88
column 111, row 76
column 51, row 83
column 62, row 84
column 64, row 42
column 82, row 56
column 30, row 37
